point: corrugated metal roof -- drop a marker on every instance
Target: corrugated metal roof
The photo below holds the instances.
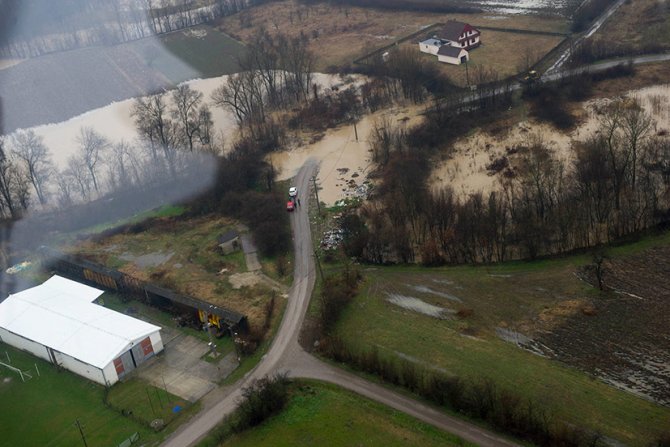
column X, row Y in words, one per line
column 60, row 314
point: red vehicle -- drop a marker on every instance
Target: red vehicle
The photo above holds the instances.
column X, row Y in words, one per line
column 290, row 205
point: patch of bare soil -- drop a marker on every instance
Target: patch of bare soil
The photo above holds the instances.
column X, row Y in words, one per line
column 624, row 336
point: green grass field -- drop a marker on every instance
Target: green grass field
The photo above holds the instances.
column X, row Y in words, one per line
column 518, row 296
column 320, row 414
column 43, row 410
column 203, row 48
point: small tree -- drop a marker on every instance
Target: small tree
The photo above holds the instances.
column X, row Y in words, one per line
column 599, row 257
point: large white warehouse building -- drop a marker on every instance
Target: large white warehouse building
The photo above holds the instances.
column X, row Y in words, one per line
column 59, row 322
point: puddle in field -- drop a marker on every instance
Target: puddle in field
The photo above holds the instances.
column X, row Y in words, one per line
column 424, row 289
column 523, row 341
column 443, row 281
column 417, row 305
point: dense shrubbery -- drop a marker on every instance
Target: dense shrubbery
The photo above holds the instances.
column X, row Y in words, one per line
column 262, row 399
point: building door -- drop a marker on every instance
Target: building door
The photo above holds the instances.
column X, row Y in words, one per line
column 142, row 351
column 464, row 59
column 124, row 364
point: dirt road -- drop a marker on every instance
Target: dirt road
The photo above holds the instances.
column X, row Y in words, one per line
column 286, row 355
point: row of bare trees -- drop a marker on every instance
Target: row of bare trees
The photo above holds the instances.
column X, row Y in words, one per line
column 617, row 183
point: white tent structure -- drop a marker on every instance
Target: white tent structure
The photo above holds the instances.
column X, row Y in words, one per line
column 59, row 322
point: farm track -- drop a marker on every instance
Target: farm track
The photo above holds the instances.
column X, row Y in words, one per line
column 286, row 354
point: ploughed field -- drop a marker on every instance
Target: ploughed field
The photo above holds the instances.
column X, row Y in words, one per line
column 624, row 338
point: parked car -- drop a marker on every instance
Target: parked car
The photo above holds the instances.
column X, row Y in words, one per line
column 292, row 191
column 290, row 205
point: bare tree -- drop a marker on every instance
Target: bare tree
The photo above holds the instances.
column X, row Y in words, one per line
column 636, row 125
column 91, row 147
column 77, row 171
column 243, row 95
column 186, row 112
column 30, row 149
column 65, row 185
column 155, row 127
column 14, row 194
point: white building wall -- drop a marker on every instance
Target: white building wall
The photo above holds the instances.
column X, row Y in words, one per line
column 83, row 369
column 453, row 60
column 109, row 374
column 156, row 342
column 24, row 344
column 67, row 362
column 430, row 49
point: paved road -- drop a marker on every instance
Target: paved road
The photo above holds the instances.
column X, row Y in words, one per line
column 286, row 355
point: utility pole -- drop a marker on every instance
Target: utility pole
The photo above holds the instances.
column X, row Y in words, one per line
column 81, row 431
column 316, row 191
column 318, row 263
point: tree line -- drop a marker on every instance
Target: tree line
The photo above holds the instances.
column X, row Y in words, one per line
column 30, row 28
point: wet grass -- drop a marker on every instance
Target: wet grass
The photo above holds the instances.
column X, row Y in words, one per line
column 205, row 49
column 43, row 410
column 324, row 414
column 519, row 296
column 144, row 402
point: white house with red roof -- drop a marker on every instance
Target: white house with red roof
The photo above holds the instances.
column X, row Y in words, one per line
column 452, row 43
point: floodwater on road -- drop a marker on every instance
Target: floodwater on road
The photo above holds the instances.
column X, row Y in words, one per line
column 345, row 162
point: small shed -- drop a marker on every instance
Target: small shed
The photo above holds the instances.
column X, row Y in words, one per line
column 229, row 241
column 452, row 55
column 59, row 322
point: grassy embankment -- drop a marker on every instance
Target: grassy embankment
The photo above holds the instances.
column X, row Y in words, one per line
column 324, row 414
column 519, row 296
column 43, row 410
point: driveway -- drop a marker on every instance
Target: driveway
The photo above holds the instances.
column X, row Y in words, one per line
column 181, row 369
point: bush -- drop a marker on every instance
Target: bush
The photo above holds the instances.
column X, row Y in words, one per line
column 262, row 399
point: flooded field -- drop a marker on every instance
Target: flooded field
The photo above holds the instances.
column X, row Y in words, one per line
column 527, row 6
column 466, row 170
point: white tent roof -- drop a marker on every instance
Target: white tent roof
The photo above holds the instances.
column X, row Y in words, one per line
column 60, row 314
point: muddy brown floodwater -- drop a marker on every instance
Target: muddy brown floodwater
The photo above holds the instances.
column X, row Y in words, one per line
column 344, row 163
column 465, row 171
